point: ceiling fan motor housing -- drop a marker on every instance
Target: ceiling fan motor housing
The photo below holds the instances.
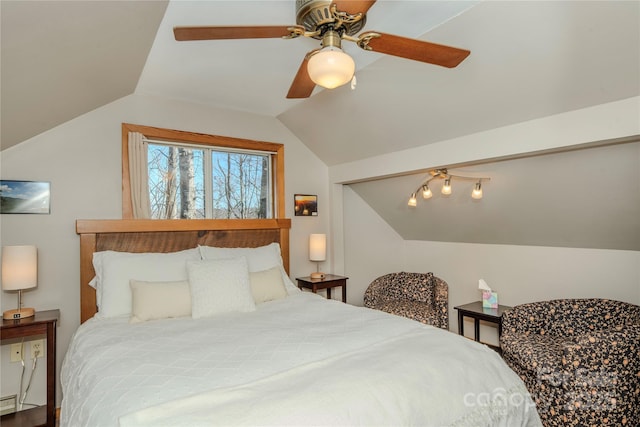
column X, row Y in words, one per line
column 314, row 14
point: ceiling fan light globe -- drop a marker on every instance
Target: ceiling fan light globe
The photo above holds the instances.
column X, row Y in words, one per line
column 331, row 67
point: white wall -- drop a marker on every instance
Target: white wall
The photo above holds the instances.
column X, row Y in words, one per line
column 371, row 247
column 518, row 273
column 82, row 160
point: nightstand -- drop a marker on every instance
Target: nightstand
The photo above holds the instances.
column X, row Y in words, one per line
column 330, row 281
column 43, row 323
column 478, row 313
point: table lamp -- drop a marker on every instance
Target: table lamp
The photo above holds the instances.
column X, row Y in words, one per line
column 19, row 272
column 318, row 252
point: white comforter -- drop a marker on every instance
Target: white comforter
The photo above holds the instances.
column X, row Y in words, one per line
column 301, row 360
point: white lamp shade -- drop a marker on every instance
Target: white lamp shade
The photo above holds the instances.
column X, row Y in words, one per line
column 19, row 267
column 318, row 247
column 331, row 67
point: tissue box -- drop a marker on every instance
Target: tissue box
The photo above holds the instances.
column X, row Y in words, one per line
column 489, row 299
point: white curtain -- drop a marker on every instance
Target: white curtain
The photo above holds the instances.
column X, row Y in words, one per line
column 139, row 176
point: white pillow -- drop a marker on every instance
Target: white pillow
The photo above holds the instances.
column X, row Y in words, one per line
column 116, row 269
column 219, row 286
column 259, row 259
column 159, row 300
column 267, row 285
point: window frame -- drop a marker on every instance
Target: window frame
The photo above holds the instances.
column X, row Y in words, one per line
column 172, row 136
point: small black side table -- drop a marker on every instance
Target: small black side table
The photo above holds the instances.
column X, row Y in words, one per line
column 43, row 323
column 478, row 313
column 329, row 281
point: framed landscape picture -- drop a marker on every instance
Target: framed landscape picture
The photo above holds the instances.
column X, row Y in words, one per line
column 24, row 197
column 305, row 205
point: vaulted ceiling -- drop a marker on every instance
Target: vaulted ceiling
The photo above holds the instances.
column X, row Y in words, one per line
column 528, row 60
column 62, row 59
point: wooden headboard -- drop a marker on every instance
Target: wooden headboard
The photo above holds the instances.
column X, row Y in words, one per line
column 150, row 235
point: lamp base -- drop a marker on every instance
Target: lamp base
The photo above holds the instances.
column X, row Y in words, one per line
column 18, row 314
column 317, row 275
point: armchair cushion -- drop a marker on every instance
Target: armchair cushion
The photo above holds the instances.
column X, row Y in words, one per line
column 415, row 310
column 418, row 296
column 580, row 359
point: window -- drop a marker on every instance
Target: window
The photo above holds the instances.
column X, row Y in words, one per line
column 195, row 176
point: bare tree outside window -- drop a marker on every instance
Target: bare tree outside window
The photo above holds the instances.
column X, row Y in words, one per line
column 176, row 182
column 240, row 183
column 202, row 176
column 187, row 184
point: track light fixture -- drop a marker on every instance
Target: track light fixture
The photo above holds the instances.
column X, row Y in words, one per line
column 426, row 192
column 446, row 186
column 477, row 191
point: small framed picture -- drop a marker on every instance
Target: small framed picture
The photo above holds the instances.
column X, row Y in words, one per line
column 305, row 205
column 24, row 197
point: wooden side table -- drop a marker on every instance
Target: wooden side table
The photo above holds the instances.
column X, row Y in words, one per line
column 330, row 281
column 478, row 313
column 43, row 323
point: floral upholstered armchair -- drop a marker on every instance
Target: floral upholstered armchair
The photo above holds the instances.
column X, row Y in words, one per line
column 579, row 358
column 418, row 296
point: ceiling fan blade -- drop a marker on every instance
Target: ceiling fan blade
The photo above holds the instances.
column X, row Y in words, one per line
column 225, row 33
column 416, row 50
column 302, row 85
column 353, row 7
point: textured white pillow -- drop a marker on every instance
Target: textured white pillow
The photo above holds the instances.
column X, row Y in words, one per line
column 116, row 269
column 259, row 259
column 219, row 286
column 267, row 285
column 159, row 300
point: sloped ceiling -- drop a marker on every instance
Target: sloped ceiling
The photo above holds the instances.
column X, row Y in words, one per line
column 588, row 198
column 61, row 59
column 529, row 59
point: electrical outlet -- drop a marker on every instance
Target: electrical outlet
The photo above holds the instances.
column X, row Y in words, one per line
column 37, row 347
column 16, row 352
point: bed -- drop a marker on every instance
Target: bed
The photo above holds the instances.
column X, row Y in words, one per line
column 286, row 358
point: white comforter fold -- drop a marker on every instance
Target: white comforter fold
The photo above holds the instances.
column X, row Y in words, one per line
column 297, row 361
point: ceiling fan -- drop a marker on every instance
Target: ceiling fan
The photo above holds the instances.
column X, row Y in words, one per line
column 331, row 22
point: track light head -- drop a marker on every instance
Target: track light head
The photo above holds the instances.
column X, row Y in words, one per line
column 446, row 187
column 426, row 192
column 477, row 191
column 412, row 200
